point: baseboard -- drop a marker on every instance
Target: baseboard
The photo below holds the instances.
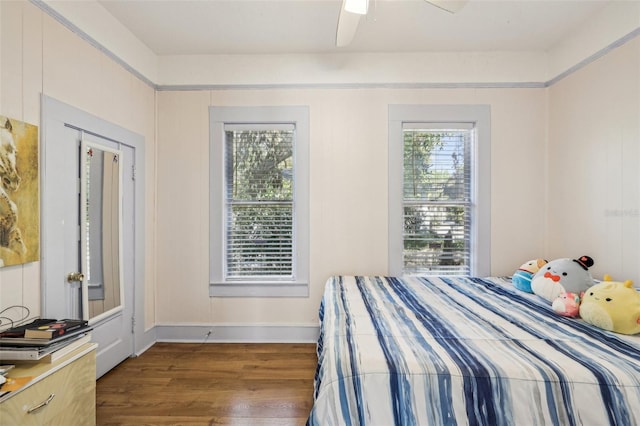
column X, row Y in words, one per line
column 237, row 333
column 144, row 340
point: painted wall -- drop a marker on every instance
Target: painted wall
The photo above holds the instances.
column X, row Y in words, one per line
column 40, row 56
column 555, row 152
column 348, row 190
column 593, row 164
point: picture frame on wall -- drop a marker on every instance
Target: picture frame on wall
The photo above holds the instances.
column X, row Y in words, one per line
column 19, row 192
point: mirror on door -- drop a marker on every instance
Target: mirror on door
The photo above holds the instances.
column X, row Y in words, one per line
column 100, row 230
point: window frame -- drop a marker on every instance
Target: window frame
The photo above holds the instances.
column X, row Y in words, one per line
column 480, row 116
column 219, row 286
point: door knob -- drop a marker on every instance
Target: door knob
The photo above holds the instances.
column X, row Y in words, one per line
column 75, row 276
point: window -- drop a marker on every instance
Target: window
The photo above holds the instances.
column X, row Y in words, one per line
column 439, row 191
column 259, row 201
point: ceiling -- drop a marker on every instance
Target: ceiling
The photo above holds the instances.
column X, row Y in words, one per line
column 208, row 27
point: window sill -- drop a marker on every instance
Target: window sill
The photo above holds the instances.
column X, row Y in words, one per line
column 259, row 289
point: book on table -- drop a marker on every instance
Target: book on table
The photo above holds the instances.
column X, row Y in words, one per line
column 48, row 353
column 54, row 329
column 14, row 337
column 19, row 330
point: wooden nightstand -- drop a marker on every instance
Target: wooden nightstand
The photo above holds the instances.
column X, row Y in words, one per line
column 61, row 393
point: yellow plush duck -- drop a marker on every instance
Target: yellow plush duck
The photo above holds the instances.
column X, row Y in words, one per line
column 613, row 306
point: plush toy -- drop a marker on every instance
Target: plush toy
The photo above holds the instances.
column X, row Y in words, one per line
column 567, row 304
column 613, row 306
column 521, row 279
column 563, row 275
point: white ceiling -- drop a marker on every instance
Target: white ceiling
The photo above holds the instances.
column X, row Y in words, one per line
column 206, row 27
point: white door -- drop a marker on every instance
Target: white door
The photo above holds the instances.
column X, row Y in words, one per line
column 104, row 291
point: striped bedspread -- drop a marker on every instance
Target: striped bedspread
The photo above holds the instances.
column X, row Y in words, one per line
column 456, row 351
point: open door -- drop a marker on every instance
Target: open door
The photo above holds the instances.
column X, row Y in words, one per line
column 88, row 209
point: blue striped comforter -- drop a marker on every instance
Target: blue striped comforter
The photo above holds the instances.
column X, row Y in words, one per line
column 457, row 351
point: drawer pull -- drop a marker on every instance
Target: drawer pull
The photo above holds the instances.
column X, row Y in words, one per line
column 42, row 404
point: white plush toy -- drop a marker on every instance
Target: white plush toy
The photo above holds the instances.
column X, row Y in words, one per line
column 563, row 275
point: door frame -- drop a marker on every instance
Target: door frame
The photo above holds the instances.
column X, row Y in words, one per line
column 56, row 111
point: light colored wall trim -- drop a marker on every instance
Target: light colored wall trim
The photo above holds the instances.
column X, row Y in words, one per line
column 479, row 85
column 270, row 289
column 612, row 22
column 237, row 333
column 425, row 85
column 92, row 41
column 234, row 86
column 480, row 115
column 219, row 285
column 145, row 340
column 599, row 54
column 353, row 68
column 54, row 110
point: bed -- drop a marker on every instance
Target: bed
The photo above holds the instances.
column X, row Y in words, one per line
column 463, row 350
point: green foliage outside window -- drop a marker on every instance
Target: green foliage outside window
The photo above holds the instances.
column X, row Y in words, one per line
column 435, row 196
column 260, row 183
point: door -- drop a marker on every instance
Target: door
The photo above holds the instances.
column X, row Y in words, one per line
column 88, row 206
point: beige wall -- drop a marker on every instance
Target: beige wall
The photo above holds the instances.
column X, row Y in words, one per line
column 40, row 56
column 594, row 164
column 348, row 190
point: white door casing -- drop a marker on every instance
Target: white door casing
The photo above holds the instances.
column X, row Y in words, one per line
column 63, row 128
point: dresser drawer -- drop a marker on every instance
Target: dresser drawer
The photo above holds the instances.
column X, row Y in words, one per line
column 71, row 392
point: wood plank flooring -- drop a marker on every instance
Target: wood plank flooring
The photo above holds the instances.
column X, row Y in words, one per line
column 210, row 384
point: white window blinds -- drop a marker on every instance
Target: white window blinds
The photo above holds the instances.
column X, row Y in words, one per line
column 437, row 198
column 259, row 199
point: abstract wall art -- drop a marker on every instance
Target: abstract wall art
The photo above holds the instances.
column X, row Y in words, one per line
column 19, row 192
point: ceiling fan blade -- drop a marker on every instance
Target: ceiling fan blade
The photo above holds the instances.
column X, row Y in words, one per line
column 347, row 26
column 452, row 6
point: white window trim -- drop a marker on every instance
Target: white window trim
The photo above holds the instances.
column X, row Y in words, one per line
column 218, row 117
column 480, row 115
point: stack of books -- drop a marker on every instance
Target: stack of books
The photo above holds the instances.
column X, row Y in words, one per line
column 43, row 340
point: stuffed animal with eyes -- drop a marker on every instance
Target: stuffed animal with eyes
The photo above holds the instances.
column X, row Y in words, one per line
column 521, row 278
column 563, row 275
column 567, row 304
column 613, row 306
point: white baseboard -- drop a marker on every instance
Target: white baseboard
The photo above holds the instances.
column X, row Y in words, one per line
column 144, row 340
column 237, row 333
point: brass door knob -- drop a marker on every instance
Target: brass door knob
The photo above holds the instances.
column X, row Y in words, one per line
column 75, row 277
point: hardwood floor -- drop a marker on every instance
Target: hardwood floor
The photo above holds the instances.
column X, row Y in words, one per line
column 210, row 384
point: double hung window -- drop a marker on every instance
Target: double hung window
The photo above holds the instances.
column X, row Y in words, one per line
column 259, row 205
column 439, row 190
column 259, row 202
column 437, row 198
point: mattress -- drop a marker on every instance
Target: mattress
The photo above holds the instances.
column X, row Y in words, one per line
column 463, row 350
